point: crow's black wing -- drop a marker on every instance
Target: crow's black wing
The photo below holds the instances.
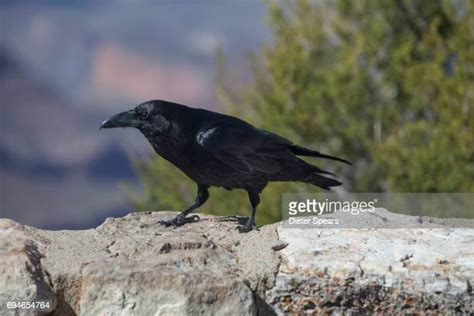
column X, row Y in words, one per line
column 245, row 148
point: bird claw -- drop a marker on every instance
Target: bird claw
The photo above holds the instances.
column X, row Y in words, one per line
column 180, row 220
column 249, row 226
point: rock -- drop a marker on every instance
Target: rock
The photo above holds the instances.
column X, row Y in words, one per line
column 377, row 270
column 133, row 266
column 22, row 276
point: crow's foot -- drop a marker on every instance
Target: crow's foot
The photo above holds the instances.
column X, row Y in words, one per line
column 180, row 220
column 250, row 225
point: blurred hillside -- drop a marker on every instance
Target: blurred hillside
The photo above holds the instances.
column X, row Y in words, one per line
column 66, row 66
column 387, row 85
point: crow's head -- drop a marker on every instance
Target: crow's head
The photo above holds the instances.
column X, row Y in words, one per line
column 146, row 117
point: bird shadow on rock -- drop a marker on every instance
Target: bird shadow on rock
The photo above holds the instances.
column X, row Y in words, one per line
column 263, row 308
column 241, row 220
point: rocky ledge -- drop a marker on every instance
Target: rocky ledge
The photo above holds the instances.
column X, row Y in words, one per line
column 133, row 266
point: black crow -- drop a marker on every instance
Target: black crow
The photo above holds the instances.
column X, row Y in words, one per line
column 214, row 149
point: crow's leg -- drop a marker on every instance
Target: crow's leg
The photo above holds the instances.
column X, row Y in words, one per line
column 180, row 220
column 254, row 200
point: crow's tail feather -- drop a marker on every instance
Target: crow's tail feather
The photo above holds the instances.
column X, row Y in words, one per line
column 301, row 151
column 317, row 170
column 323, row 182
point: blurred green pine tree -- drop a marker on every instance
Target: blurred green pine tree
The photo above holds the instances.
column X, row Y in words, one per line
column 388, row 85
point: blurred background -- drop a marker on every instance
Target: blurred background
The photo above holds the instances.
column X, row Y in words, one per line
column 387, row 85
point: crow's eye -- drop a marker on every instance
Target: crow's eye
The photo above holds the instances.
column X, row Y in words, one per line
column 143, row 115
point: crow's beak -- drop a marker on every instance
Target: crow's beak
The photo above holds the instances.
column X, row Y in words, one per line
column 124, row 119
